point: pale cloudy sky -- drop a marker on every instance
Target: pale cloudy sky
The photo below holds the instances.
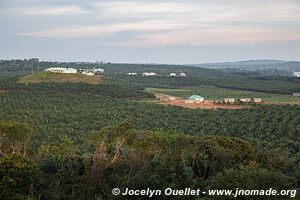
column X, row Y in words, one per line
column 160, row 31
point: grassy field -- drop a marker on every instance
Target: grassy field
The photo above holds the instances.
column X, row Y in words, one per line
column 214, row 93
column 40, row 77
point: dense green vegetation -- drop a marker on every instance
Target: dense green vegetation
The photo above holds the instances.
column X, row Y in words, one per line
column 111, row 90
column 19, row 65
column 79, row 141
column 262, row 84
column 75, row 114
column 259, row 72
column 118, row 156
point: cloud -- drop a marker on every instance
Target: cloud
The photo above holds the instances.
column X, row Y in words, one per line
column 47, row 10
column 178, row 22
column 203, row 10
column 106, row 29
column 213, row 37
column 142, row 8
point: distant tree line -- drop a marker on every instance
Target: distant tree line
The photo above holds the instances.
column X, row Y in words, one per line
column 197, row 76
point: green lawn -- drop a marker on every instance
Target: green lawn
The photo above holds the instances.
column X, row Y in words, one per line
column 214, row 93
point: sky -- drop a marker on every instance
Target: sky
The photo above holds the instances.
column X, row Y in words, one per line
column 152, row 31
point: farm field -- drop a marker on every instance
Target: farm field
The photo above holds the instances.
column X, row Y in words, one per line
column 42, row 77
column 215, row 93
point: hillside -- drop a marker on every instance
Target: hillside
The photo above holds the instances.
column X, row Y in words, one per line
column 254, row 65
column 41, row 77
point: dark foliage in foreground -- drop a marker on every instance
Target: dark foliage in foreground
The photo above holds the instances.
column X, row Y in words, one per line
column 118, row 156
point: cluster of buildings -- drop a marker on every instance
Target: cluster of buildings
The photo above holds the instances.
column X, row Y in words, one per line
column 178, row 75
column 94, row 71
column 68, row 70
column 198, row 99
column 149, row 74
column 192, row 99
column 155, row 74
column 242, row 100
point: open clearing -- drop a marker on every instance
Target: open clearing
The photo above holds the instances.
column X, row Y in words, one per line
column 204, row 105
column 42, row 77
column 214, row 93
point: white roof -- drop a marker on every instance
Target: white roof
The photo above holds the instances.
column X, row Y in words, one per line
column 61, row 69
column 99, row 70
column 149, row 73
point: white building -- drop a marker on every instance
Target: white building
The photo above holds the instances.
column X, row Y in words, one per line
column 195, row 99
column 131, row 74
column 229, row 100
column 149, row 74
column 297, row 74
column 182, row 75
column 99, row 71
column 88, row 73
column 257, row 100
column 91, row 72
column 61, row 70
column 297, row 94
column 173, row 74
column 245, row 100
